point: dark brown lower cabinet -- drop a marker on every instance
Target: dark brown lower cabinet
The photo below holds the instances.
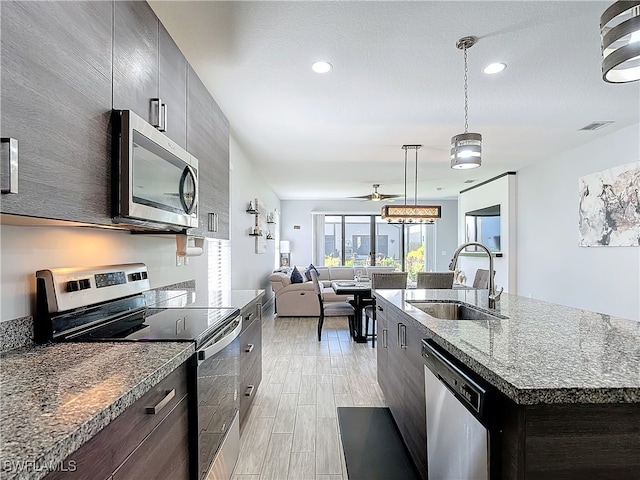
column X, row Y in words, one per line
column 401, row 378
column 164, row 453
column 139, row 443
column 571, row 441
column 250, row 357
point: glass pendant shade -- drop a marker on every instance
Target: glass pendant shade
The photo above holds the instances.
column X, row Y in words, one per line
column 620, row 34
column 466, row 151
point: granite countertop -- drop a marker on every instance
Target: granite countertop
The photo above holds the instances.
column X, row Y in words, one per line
column 543, row 353
column 55, row 397
column 242, row 298
column 192, row 298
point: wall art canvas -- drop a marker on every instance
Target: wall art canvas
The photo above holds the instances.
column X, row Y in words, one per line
column 610, row 207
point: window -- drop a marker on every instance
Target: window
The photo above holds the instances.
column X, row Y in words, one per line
column 347, row 241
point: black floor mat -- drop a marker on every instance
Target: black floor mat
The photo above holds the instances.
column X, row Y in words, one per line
column 372, row 445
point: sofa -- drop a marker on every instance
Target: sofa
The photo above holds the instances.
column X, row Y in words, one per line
column 300, row 299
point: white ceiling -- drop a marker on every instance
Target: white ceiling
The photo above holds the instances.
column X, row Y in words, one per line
column 398, row 79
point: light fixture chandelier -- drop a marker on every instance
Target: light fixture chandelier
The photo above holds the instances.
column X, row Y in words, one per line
column 466, row 148
column 620, row 35
column 411, row 213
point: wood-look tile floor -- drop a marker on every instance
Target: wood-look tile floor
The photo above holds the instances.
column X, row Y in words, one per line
column 292, row 430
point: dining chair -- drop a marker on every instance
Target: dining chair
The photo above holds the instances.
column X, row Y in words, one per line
column 435, row 279
column 481, row 280
column 381, row 280
column 331, row 309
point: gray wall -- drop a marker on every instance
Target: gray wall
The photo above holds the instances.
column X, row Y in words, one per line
column 249, row 270
column 551, row 265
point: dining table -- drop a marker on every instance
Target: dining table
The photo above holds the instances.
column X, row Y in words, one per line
column 361, row 292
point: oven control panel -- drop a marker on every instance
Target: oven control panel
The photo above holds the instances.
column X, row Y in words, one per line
column 110, row 279
column 68, row 288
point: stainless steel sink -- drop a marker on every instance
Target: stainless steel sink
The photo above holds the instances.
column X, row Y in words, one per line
column 453, row 311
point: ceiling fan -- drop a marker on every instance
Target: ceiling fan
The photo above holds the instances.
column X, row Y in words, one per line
column 377, row 196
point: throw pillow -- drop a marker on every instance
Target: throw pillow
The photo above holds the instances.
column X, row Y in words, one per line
column 307, row 272
column 296, row 276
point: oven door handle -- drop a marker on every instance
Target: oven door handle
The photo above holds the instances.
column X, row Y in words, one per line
column 211, row 349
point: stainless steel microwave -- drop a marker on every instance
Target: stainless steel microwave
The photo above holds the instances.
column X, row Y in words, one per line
column 155, row 180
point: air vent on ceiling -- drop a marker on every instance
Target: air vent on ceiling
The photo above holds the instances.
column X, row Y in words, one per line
column 596, row 125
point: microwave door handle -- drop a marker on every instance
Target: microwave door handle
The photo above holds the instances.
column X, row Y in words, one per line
column 213, row 348
column 186, row 173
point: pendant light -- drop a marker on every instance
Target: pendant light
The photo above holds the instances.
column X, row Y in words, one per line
column 620, row 34
column 411, row 213
column 466, row 148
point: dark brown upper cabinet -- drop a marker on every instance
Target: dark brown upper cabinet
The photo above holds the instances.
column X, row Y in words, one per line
column 65, row 66
column 208, row 141
column 149, row 70
column 173, row 87
column 135, row 58
column 56, row 101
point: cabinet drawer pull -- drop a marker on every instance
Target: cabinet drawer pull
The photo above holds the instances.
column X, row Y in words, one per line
column 385, row 343
column 379, row 307
column 249, row 390
column 156, row 113
column 169, row 394
column 403, row 336
column 249, row 347
column 213, row 222
column 9, row 153
column 163, row 117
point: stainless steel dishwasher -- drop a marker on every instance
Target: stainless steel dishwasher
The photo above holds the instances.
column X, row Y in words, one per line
column 463, row 435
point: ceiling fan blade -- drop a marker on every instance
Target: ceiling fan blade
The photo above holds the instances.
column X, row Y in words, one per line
column 377, row 196
column 364, row 197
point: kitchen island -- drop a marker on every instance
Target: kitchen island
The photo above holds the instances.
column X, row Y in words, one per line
column 571, row 380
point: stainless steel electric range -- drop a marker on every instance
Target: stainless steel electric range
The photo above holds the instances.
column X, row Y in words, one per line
column 107, row 304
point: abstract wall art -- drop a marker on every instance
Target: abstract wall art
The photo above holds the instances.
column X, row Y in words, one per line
column 610, row 207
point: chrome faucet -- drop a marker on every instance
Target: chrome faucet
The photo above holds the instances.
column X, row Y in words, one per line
column 493, row 296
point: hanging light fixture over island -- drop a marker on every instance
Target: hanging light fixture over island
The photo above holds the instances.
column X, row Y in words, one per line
column 411, row 213
column 620, row 34
column 466, row 148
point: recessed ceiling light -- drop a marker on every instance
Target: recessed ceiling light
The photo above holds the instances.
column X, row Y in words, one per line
column 321, row 67
column 493, row 68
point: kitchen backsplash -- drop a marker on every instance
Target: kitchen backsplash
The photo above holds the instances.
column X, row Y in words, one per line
column 18, row 333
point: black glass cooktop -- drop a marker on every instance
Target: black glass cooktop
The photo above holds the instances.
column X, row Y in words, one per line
column 145, row 324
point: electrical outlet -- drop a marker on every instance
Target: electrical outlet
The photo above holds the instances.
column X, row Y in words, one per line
column 179, row 261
